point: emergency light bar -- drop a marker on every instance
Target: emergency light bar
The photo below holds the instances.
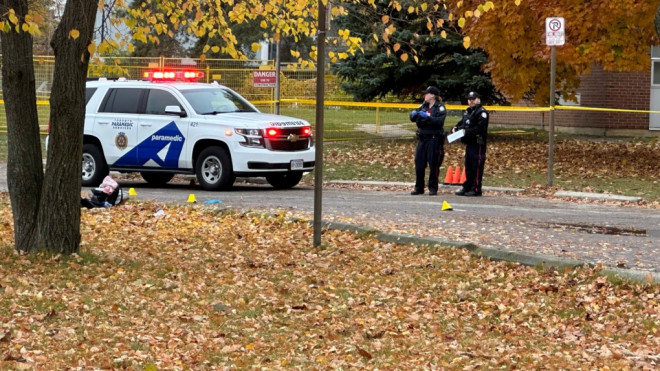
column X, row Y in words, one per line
column 173, row 75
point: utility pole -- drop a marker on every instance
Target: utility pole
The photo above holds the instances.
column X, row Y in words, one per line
column 320, row 103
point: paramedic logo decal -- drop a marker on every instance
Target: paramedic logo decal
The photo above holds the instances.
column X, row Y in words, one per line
column 122, row 124
column 160, row 149
column 121, row 140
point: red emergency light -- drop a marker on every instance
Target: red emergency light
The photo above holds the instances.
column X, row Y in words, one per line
column 173, row 75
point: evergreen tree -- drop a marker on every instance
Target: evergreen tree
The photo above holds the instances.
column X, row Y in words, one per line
column 380, row 70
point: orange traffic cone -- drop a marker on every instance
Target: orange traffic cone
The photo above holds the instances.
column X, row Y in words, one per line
column 449, row 177
column 463, row 177
column 457, row 176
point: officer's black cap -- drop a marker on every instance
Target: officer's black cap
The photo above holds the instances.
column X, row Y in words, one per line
column 432, row 89
column 472, row 95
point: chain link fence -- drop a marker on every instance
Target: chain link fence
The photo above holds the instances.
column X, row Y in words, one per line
column 343, row 118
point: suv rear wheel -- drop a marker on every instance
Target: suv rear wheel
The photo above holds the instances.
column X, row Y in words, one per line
column 156, row 178
column 94, row 168
column 213, row 169
column 284, row 180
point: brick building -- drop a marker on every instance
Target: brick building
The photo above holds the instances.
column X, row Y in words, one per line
column 623, row 92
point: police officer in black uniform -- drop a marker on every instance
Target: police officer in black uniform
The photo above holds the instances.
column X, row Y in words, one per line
column 475, row 124
column 430, row 120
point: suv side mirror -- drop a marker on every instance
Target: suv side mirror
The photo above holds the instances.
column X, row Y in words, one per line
column 175, row 110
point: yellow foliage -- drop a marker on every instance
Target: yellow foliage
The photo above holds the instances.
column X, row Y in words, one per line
column 12, row 17
column 140, row 36
column 466, row 42
column 74, row 34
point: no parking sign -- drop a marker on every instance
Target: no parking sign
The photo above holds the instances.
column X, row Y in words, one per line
column 554, row 31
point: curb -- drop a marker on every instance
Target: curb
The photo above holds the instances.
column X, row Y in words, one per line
column 597, row 196
column 570, row 194
column 496, row 254
column 408, row 184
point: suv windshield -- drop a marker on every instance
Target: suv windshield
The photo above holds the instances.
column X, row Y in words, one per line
column 215, row 101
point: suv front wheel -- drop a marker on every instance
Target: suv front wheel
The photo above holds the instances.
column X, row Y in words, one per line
column 213, row 169
column 94, row 168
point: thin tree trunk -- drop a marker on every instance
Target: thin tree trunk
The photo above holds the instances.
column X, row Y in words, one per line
column 656, row 21
column 59, row 212
column 24, row 159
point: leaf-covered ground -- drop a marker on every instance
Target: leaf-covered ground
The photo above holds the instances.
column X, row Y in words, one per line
column 187, row 287
column 630, row 166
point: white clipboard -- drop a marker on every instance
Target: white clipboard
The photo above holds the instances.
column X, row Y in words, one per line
column 457, row 135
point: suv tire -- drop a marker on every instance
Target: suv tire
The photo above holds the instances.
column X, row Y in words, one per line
column 284, row 180
column 213, row 169
column 156, row 178
column 94, row 168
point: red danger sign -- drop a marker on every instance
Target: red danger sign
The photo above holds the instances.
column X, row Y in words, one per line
column 264, row 78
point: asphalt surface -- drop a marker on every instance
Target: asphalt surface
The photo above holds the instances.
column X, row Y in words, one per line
column 501, row 224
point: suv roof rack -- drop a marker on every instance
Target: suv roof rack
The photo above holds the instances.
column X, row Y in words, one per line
column 102, row 78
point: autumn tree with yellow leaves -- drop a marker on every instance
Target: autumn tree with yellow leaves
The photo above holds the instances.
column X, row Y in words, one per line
column 613, row 34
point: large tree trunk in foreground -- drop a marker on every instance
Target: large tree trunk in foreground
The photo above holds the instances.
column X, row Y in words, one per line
column 59, row 212
column 24, row 164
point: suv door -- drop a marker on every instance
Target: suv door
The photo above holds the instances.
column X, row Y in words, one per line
column 162, row 135
column 118, row 118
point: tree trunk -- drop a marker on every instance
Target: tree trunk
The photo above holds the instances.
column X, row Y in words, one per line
column 59, row 211
column 24, row 165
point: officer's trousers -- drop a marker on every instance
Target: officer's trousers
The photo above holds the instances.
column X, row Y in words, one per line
column 475, row 159
column 430, row 151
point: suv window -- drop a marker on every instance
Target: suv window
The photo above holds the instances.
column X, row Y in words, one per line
column 88, row 94
column 158, row 99
column 122, row 100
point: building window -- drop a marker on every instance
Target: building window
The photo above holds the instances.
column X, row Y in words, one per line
column 656, row 72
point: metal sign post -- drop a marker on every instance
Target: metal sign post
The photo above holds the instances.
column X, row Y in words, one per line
column 554, row 35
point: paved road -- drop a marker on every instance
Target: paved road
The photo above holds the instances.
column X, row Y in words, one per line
column 614, row 235
column 620, row 236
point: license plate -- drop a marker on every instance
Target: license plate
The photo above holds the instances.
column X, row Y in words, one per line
column 296, row 164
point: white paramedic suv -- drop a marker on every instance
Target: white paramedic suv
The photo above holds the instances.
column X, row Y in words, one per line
column 160, row 127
